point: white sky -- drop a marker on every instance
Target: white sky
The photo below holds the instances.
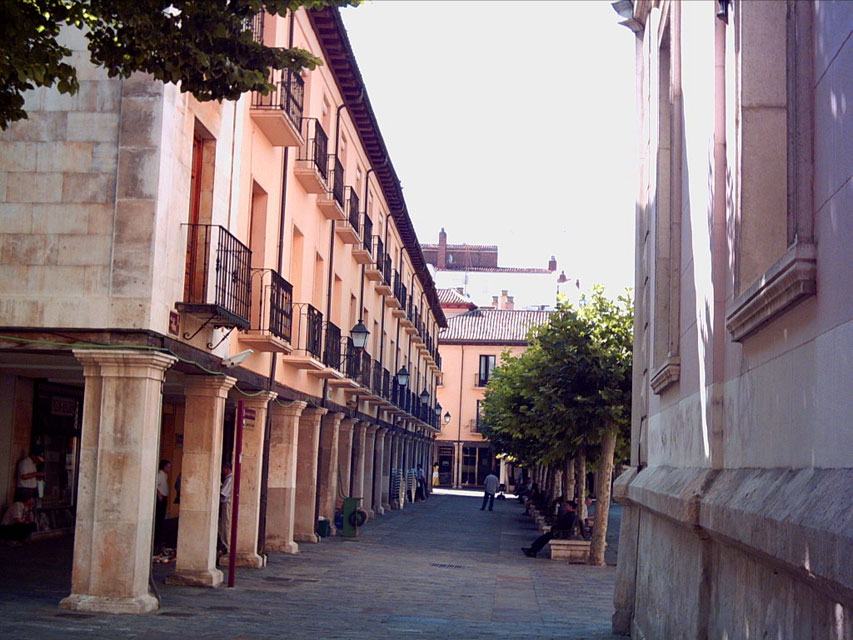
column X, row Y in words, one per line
column 510, row 123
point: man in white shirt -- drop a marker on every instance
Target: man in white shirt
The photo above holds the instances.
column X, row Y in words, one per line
column 27, row 479
column 225, row 508
column 491, row 484
column 162, row 503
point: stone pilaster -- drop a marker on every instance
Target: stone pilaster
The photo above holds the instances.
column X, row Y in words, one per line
column 201, row 476
column 122, row 407
column 327, row 489
column 281, row 482
column 386, row 472
column 345, row 432
column 367, row 486
column 358, row 444
column 305, row 523
column 251, row 462
column 378, row 465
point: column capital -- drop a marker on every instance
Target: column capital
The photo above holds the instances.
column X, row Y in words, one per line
column 314, row 414
column 372, row 428
column 381, row 431
column 347, row 424
column 124, row 363
column 293, row 409
column 261, row 400
column 333, row 418
column 209, row 386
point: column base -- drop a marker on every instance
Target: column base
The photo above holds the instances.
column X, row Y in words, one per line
column 313, row 538
column 371, row 514
column 380, row 510
column 251, row 560
column 386, row 506
column 282, row 546
column 208, row 578
column 109, row 604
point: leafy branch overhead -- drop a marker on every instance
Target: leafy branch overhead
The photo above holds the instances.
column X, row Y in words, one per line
column 206, row 47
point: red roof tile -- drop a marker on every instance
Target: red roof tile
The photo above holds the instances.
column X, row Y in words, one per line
column 492, row 326
column 452, row 298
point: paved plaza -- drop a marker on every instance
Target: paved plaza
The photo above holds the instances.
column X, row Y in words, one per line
column 440, row 569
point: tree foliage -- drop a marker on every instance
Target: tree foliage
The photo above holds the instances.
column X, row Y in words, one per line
column 205, row 46
column 568, row 388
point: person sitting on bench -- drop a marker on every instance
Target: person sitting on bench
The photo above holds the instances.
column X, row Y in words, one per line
column 564, row 525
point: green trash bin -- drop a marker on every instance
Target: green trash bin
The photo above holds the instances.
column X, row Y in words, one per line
column 324, row 527
column 353, row 517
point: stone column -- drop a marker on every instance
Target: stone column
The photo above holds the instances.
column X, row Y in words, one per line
column 386, row 471
column 378, row 466
column 327, row 489
column 201, row 477
column 345, row 454
column 367, row 482
column 397, row 464
column 358, row 445
column 251, row 460
column 281, row 482
column 305, row 521
column 122, row 407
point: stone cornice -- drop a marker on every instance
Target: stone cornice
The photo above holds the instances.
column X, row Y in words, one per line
column 789, row 281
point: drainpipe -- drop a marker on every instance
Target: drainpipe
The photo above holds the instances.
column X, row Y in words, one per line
column 458, row 457
column 265, row 457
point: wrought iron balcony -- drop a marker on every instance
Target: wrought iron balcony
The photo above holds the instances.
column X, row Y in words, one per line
column 279, row 113
column 386, row 384
column 332, row 347
column 365, row 370
column 331, row 203
column 307, row 341
column 312, row 162
column 376, row 383
column 257, row 26
column 373, row 267
column 367, row 233
column 353, row 359
column 400, row 290
column 272, row 313
column 217, row 282
column 348, row 229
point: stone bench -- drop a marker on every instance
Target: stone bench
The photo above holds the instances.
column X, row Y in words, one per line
column 574, row 551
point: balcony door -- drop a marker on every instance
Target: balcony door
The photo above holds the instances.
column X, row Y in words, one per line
column 487, row 364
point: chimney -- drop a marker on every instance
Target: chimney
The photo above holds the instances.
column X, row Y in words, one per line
column 442, row 250
column 552, row 264
column 510, row 303
column 505, row 298
column 495, row 304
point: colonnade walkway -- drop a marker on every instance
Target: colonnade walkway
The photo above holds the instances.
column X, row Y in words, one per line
column 439, row 569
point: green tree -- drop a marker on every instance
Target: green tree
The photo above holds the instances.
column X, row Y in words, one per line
column 569, row 393
column 205, row 46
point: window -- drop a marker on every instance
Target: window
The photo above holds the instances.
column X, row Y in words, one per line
column 487, row 364
column 478, row 421
column 774, row 252
column 666, row 208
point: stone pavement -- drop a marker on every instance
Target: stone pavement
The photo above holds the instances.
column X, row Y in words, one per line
column 440, row 569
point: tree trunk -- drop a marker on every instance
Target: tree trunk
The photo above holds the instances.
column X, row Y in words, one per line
column 582, row 482
column 602, row 507
column 569, row 476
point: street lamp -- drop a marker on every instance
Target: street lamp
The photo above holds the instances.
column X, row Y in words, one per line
column 359, row 335
column 424, row 396
column 403, row 376
column 447, row 418
column 437, row 410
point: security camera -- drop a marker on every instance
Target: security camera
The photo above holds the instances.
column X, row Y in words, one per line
column 237, row 358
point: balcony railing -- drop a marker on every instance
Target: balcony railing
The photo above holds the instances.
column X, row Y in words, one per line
column 337, row 170
column 257, row 26
column 399, row 289
column 332, row 346
column 352, row 208
column 386, row 384
column 387, row 270
column 272, row 311
column 315, row 149
column 289, row 95
column 218, row 276
column 438, row 359
column 308, row 334
column 365, row 368
column 367, row 234
column 481, row 379
column 376, row 385
column 352, row 366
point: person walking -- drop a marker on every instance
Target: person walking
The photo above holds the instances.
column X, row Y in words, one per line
column 491, row 487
